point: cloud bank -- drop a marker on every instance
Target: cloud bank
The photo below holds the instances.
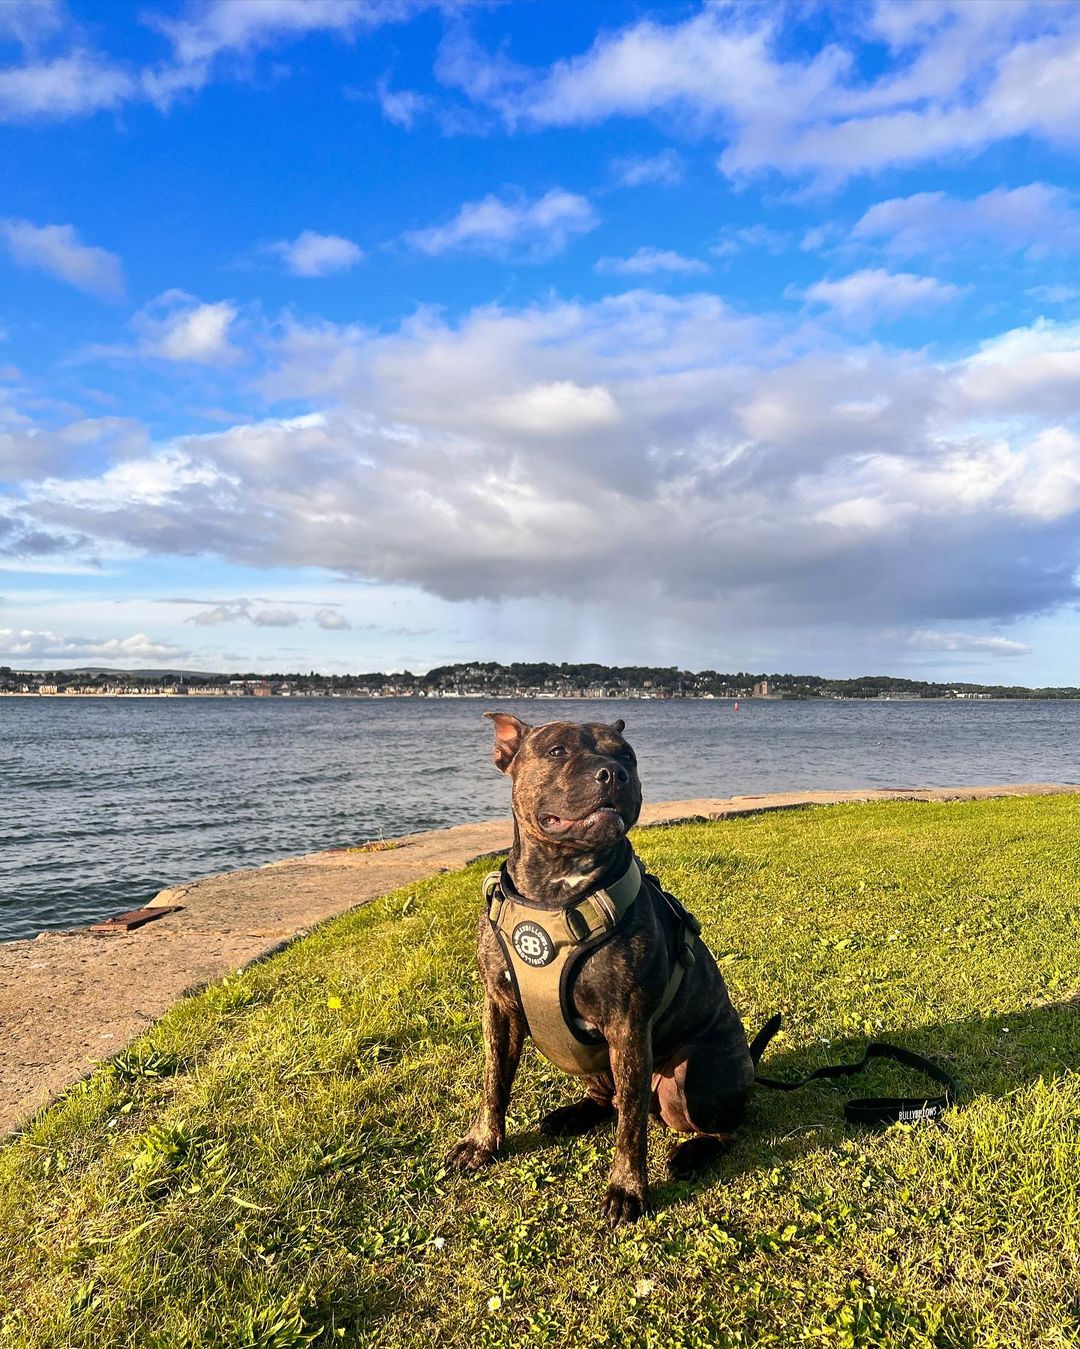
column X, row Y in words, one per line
column 658, row 452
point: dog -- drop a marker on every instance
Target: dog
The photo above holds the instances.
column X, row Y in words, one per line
column 643, row 997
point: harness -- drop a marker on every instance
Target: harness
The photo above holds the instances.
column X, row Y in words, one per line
column 545, row 947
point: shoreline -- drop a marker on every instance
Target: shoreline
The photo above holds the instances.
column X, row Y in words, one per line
column 534, row 697
column 71, row 999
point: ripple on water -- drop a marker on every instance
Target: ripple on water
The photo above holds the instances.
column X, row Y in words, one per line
column 105, row 802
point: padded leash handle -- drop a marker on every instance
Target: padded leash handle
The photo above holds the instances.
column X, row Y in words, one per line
column 870, row 1109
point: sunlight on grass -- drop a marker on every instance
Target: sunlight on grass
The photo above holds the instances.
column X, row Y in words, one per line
column 263, row 1167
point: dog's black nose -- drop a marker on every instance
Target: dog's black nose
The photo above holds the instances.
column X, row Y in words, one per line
column 605, row 775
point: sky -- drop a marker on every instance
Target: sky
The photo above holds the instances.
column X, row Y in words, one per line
column 380, row 334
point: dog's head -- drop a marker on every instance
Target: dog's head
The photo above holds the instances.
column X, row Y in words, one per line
column 575, row 783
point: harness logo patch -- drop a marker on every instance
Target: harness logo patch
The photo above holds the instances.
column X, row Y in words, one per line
column 533, row 944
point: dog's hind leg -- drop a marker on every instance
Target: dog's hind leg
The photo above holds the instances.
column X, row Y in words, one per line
column 704, row 1091
column 697, row 1153
column 570, row 1120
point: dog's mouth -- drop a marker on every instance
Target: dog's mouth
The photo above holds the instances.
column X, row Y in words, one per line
column 600, row 816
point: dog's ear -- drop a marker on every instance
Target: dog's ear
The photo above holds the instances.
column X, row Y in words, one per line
column 509, row 733
column 618, row 726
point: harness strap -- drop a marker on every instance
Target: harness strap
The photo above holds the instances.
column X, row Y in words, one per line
column 687, row 933
column 871, row 1109
column 602, row 911
column 542, row 974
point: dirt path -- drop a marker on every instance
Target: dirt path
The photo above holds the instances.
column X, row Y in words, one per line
column 68, row 1000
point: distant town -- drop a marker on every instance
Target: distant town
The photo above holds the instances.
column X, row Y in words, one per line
column 492, row 680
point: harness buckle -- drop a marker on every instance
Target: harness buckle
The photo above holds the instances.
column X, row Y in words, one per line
column 688, row 956
column 493, row 895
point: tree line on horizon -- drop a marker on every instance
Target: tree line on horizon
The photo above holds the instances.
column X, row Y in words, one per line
column 548, row 676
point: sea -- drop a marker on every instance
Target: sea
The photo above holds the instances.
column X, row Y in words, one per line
column 103, row 802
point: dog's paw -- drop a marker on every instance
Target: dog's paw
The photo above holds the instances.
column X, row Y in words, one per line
column 468, row 1155
column 696, row 1154
column 623, row 1206
column 571, row 1120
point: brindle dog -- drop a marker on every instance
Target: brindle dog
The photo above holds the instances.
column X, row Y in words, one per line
column 575, row 794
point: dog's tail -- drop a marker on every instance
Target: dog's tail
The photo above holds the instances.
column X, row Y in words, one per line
column 760, row 1041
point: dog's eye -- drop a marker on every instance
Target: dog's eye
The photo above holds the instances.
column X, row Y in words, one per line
column 556, row 752
column 627, row 756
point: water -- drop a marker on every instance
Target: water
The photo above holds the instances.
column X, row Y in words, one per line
column 105, row 802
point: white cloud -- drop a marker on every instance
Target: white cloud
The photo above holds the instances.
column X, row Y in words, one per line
column 930, row 639
column 204, row 39
column 964, row 77
column 75, row 85
column 211, row 614
column 275, row 618
column 876, row 293
column 1054, row 294
column 664, row 169
column 706, row 66
column 208, row 35
column 1052, row 492
column 543, row 227
column 222, row 26
column 331, row 620
column 649, row 260
column 144, row 482
column 30, row 21
column 228, row 611
column 29, row 450
column 737, row 239
column 1034, row 370
column 178, row 327
column 1037, row 219
column 25, row 643
column 311, row 254
column 56, row 249
column 402, row 107
column 554, row 409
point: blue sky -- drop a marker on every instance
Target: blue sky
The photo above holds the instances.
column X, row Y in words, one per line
column 357, row 334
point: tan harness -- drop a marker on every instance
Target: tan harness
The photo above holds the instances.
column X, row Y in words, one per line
column 545, row 947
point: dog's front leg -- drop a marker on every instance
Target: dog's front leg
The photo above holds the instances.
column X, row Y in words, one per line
column 630, row 1051
column 504, row 1033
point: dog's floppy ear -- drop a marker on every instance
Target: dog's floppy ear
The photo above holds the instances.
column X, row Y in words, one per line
column 509, row 733
column 618, row 726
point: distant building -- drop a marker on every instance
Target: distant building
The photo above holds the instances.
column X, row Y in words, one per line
column 761, row 690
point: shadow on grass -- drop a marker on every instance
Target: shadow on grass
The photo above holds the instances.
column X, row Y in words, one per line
column 991, row 1057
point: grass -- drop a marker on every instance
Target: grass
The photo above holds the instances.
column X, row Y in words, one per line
column 262, row 1169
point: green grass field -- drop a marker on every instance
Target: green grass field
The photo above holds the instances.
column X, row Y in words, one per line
column 263, row 1167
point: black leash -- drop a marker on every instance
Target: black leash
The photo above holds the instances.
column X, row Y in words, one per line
column 870, row 1109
